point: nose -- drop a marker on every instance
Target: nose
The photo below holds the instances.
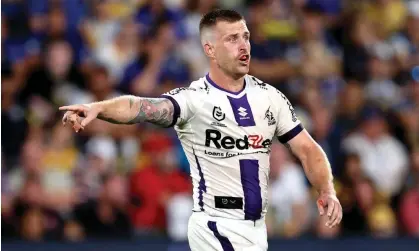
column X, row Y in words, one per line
column 243, row 48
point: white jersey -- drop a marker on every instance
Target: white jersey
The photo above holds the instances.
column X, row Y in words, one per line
column 226, row 137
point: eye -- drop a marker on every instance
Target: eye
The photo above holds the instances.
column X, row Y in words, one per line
column 246, row 37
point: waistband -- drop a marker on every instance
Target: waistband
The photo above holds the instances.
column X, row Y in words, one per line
column 253, row 223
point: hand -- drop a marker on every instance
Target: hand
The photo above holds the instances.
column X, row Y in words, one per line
column 334, row 209
column 74, row 112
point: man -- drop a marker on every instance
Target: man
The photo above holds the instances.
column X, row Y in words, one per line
column 226, row 122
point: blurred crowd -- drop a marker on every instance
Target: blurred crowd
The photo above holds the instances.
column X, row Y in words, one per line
column 351, row 69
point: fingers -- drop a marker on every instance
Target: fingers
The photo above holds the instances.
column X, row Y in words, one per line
column 330, row 207
column 74, row 108
column 71, row 116
column 334, row 213
column 91, row 116
column 320, row 207
column 337, row 215
column 67, row 117
column 77, row 124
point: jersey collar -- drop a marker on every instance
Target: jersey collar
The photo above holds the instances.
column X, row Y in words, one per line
column 209, row 80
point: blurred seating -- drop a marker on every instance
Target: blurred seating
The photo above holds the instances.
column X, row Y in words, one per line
column 346, row 65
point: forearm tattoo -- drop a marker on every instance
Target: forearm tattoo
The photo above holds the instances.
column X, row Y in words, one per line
column 158, row 111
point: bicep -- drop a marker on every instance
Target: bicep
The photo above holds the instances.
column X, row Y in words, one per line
column 302, row 144
column 183, row 101
column 288, row 125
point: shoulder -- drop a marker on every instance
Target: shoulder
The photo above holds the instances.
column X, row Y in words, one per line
column 255, row 82
column 266, row 89
column 200, row 86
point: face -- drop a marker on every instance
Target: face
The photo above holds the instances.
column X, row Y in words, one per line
column 59, row 59
column 312, row 26
column 374, row 128
column 230, row 49
column 57, row 22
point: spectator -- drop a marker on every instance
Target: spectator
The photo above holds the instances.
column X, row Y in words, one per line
column 163, row 67
column 354, row 216
column 347, row 117
column 381, row 154
column 153, row 186
column 60, row 159
column 388, row 16
column 192, row 48
column 120, row 52
column 409, row 207
column 322, row 122
column 56, row 76
column 289, row 197
column 106, row 217
column 317, row 56
column 406, row 43
column 101, row 29
column 101, row 158
column 361, row 36
column 153, row 10
column 382, row 222
column 406, row 116
column 35, row 220
column 179, row 208
column 14, row 124
column 380, row 88
column 268, row 52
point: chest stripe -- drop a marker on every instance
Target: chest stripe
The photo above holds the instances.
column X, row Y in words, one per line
column 242, row 111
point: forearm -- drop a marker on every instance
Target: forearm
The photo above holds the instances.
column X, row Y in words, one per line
column 130, row 110
column 317, row 168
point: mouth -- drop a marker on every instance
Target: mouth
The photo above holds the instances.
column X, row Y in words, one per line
column 245, row 58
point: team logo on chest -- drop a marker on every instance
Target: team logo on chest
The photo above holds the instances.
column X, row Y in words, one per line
column 270, row 117
column 218, row 115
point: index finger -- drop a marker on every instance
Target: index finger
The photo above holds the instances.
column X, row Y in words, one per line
column 91, row 116
column 74, row 108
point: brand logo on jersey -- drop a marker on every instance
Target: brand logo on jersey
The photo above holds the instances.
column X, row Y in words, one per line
column 242, row 111
column 206, row 88
column 214, row 137
column 294, row 116
column 180, row 89
column 260, row 83
column 270, row 117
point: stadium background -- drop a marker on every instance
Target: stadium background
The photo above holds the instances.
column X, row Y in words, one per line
column 347, row 66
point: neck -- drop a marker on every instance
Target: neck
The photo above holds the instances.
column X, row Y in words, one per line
column 225, row 81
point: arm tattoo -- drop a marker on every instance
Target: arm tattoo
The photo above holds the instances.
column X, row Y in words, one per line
column 110, row 120
column 287, row 145
column 158, row 111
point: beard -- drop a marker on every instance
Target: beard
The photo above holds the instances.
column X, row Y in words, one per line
column 234, row 68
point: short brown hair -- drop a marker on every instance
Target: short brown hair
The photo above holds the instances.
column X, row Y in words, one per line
column 211, row 18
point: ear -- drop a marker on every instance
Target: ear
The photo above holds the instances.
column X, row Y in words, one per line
column 209, row 50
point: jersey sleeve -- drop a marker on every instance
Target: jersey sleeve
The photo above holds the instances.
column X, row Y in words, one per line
column 182, row 99
column 288, row 125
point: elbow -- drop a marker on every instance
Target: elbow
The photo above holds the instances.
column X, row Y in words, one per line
column 308, row 149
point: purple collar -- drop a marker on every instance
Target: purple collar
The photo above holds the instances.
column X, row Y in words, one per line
column 222, row 89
